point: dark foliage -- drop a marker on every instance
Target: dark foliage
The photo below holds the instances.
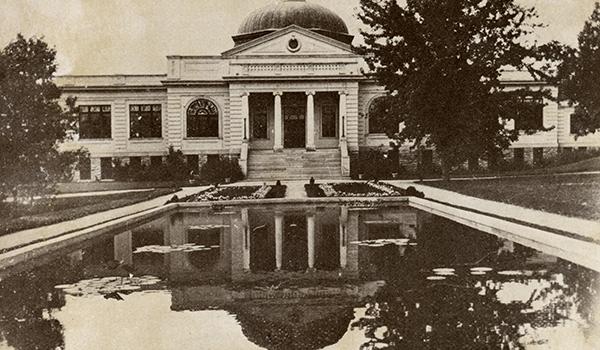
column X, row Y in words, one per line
column 579, row 75
column 174, row 168
column 313, row 191
column 220, row 169
column 277, row 191
column 32, row 123
column 441, row 62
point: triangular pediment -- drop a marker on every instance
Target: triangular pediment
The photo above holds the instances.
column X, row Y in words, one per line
column 282, row 43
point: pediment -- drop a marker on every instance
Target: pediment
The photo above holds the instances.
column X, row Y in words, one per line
column 283, row 43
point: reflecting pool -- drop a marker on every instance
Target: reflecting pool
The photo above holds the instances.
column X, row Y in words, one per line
column 299, row 277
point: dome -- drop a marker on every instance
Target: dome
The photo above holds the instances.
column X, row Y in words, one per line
column 284, row 13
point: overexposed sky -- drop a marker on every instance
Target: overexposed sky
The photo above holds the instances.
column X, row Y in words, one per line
column 135, row 36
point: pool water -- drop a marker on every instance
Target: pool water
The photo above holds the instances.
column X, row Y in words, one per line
column 299, row 277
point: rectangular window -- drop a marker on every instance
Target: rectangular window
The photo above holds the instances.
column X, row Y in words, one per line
column 135, row 162
column 530, row 114
column 519, row 155
column 95, row 122
column 156, row 161
column 538, row 155
column 106, row 168
column 192, row 163
column 85, row 168
column 145, row 121
column 258, row 115
column 328, row 121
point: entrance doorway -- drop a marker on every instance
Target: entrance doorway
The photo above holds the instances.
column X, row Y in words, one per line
column 294, row 124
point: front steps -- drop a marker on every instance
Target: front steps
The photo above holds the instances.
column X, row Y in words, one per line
column 294, row 164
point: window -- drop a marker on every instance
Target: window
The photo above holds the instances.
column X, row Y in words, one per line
column 519, row 156
column 258, row 115
column 145, row 121
column 106, row 168
column 538, row 155
column 85, row 168
column 156, row 161
column 202, row 119
column 530, row 114
column 328, row 121
column 193, row 163
column 94, row 122
column 378, row 110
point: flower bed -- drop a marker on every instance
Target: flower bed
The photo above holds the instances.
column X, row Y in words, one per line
column 354, row 189
column 237, row 193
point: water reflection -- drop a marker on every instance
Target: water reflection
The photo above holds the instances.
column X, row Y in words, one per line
column 299, row 278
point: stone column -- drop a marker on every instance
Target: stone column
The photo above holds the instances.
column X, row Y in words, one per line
column 310, row 121
column 245, row 116
column 278, row 240
column 342, row 115
column 278, row 125
column 310, row 228
column 246, row 244
column 343, row 237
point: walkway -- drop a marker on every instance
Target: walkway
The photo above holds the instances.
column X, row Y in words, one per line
column 21, row 238
column 582, row 227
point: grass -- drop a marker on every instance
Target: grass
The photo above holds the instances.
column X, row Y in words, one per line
column 570, row 195
column 48, row 211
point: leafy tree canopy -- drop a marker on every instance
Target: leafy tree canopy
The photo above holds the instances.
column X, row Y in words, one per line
column 580, row 77
column 32, row 122
column 441, row 62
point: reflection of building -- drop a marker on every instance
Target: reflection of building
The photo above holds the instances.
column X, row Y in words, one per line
column 290, row 275
column 291, row 82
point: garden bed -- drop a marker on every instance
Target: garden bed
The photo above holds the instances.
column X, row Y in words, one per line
column 217, row 193
column 356, row 189
column 48, row 211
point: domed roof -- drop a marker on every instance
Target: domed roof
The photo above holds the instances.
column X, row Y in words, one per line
column 284, row 13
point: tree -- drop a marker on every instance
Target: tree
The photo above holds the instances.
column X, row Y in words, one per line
column 580, row 77
column 441, row 61
column 32, row 123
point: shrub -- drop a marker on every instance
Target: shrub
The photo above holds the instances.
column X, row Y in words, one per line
column 220, row 169
column 377, row 163
column 173, row 169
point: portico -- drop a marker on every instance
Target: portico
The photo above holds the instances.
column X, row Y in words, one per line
column 294, row 119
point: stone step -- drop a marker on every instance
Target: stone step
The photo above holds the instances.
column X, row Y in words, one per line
column 294, row 164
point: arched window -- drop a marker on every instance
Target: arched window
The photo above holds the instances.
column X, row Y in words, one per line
column 378, row 109
column 202, row 119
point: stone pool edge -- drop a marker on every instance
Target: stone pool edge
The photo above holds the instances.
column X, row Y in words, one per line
column 584, row 253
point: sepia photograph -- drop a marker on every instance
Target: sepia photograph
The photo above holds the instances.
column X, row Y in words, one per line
column 299, row 174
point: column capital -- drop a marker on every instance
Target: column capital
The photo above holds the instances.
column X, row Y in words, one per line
column 343, row 92
column 277, row 93
column 310, row 93
column 245, row 93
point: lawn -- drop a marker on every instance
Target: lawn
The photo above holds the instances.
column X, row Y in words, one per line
column 571, row 195
column 47, row 211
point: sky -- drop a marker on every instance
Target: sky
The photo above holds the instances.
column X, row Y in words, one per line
column 135, row 36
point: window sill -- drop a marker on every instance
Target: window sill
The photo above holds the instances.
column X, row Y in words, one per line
column 146, row 139
column 202, row 139
column 95, row 140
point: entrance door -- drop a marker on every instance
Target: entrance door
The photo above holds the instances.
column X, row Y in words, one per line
column 294, row 127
